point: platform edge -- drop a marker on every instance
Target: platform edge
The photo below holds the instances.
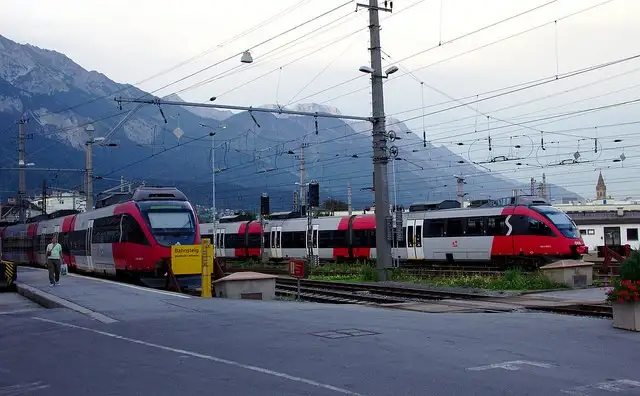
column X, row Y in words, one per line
column 50, row 301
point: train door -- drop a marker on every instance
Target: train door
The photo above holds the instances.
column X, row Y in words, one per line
column 89, row 238
column 612, row 236
column 414, row 240
column 219, row 243
column 276, row 242
column 314, row 239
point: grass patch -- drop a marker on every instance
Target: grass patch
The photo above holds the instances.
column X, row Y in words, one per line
column 359, row 272
column 513, row 279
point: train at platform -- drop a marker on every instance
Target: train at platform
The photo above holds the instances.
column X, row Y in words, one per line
column 502, row 233
column 132, row 236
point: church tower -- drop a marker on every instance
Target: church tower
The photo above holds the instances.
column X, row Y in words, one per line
column 601, row 188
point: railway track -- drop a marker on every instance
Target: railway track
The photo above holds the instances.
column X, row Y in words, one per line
column 371, row 291
column 332, row 296
column 354, row 293
column 601, row 311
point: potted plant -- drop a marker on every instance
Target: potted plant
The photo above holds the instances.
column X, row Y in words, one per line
column 625, row 295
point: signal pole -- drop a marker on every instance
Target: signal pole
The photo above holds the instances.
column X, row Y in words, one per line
column 44, row 196
column 22, row 184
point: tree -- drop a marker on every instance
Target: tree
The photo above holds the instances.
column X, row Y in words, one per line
column 334, row 205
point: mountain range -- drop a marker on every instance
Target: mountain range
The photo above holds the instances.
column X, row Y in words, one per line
column 170, row 145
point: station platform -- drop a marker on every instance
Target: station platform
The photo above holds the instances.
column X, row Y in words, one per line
column 100, row 299
column 161, row 344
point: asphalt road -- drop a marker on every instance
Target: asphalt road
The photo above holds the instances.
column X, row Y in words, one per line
column 286, row 348
column 12, row 303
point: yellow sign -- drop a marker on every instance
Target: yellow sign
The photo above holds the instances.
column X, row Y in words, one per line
column 186, row 259
column 207, row 267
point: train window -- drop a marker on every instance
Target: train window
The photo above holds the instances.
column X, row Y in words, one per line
column 536, row 227
column 132, row 232
column 410, row 236
column 364, row 238
column 474, row 226
column 454, row 228
column 434, row 228
column 632, row 234
column 293, row 239
column 419, row 236
column 332, row 239
column 299, row 239
column 496, row 226
column 106, row 230
column 254, row 240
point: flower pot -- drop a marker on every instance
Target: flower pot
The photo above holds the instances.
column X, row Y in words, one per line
column 626, row 315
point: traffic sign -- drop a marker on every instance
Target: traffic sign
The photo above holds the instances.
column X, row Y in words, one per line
column 296, row 268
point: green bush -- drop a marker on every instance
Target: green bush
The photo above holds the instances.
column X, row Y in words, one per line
column 627, row 287
column 630, row 269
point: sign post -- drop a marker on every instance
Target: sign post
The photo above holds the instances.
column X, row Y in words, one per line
column 297, row 270
column 207, row 266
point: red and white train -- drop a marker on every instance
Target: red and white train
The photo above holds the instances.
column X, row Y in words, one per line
column 504, row 233
column 129, row 238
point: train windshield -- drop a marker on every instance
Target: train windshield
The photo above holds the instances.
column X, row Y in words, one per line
column 561, row 220
column 171, row 225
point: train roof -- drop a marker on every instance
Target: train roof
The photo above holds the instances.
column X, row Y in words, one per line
column 142, row 193
column 448, row 204
column 294, row 214
column 434, row 205
column 236, row 218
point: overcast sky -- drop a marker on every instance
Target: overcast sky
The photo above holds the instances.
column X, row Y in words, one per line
column 130, row 41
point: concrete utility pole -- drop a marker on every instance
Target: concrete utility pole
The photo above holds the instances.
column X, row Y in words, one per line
column 380, row 158
column 22, row 183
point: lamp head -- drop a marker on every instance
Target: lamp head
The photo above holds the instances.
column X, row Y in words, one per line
column 391, row 70
column 246, row 57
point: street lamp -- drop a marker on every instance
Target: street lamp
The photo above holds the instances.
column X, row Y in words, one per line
column 88, row 145
column 246, row 57
column 387, row 73
column 213, row 169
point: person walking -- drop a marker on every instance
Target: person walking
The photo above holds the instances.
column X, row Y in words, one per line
column 54, row 261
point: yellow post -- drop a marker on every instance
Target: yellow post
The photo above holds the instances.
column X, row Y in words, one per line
column 207, row 266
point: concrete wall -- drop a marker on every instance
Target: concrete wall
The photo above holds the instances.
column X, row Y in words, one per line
column 236, row 288
column 565, row 275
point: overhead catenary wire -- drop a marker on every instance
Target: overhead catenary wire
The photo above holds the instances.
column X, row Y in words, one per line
column 582, row 111
column 263, row 42
column 396, row 78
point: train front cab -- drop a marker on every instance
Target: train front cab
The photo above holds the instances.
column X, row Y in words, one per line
column 134, row 237
column 545, row 231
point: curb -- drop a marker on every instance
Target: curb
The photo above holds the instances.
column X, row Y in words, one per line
column 50, row 301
